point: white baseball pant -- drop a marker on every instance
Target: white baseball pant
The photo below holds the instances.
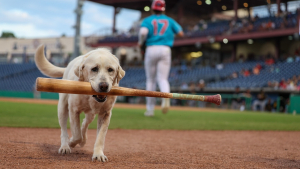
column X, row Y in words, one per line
column 157, row 67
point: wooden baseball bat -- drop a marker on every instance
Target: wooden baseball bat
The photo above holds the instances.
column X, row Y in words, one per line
column 78, row 87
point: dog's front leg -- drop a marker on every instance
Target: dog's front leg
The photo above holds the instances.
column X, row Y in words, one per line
column 63, row 121
column 102, row 127
column 75, row 127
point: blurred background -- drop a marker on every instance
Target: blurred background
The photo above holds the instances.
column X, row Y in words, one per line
column 248, row 51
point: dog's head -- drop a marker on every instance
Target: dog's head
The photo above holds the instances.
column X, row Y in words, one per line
column 102, row 70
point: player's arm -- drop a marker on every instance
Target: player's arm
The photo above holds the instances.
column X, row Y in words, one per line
column 177, row 29
column 142, row 36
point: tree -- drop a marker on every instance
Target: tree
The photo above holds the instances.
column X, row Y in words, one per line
column 7, row 35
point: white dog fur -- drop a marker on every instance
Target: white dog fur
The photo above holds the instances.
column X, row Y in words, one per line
column 97, row 66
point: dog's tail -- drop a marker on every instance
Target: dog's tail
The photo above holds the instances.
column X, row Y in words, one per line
column 45, row 66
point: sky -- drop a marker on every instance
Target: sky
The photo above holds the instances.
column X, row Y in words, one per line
column 52, row 18
column 262, row 11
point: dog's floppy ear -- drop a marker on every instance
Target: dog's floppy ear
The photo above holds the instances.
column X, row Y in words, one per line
column 79, row 71
column 120, row 74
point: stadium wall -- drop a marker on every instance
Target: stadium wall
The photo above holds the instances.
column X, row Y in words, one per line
column 294, row 104
column 29, row 95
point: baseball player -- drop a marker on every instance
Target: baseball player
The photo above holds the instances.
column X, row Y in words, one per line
column 157, row 32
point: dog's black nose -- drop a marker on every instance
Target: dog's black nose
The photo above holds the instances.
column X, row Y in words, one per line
column 103, row 87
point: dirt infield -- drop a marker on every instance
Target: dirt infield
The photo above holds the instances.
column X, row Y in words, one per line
column 37, row 148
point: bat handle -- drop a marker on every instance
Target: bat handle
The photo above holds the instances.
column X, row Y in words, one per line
column 216, row 99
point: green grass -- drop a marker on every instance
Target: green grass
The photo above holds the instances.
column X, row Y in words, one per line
column 45, row 116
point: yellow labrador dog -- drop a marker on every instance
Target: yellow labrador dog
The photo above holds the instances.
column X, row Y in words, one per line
column 102, row 70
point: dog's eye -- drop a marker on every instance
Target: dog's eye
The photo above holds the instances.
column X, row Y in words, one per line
column 95, row 69
column 110, row 70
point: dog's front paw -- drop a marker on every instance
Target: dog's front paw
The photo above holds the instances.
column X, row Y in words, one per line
column 100, row 157
column 64, row 149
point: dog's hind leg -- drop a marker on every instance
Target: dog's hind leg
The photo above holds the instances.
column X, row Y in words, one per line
column 89, row 117
column 63, row 121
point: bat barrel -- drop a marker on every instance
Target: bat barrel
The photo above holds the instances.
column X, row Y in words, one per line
column 78, row 87
column 64, row 86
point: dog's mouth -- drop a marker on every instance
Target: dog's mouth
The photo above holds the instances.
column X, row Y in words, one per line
column 100, row 98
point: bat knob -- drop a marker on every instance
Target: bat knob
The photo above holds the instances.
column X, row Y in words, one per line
column 216, row 99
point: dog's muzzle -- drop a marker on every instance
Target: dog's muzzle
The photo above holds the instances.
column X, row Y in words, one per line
column 100, row 98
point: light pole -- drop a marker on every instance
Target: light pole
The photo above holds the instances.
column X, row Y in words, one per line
column 78, row 11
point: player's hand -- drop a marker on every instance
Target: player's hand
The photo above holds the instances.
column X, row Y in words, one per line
column 180, row 34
